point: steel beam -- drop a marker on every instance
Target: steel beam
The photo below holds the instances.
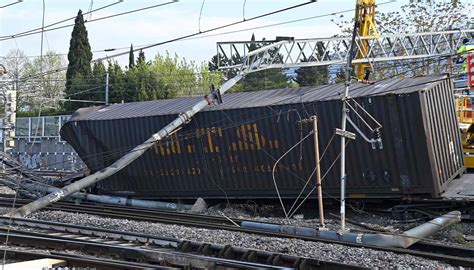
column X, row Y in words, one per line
column 303, row 52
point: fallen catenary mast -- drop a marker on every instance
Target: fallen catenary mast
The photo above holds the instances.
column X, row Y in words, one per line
column 135, row 153
column 404, row 240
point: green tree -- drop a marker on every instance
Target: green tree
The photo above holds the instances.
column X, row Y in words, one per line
column 317, row 75
column 183, row 78
column 96, row 84
column 79, row 68
column 141, row 58
column 264, row 79
column 117, row 91
column 131, row 57
column 163, row 77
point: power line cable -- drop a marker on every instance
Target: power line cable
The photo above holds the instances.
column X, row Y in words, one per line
column 34, row 32
column 354, row 89
column 374, row 55
column 200, row 14
column 281, row 23
column 11, row 4
column 192, row 35
column 58, row 22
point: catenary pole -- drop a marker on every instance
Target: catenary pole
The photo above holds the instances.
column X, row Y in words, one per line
column 345, row 110
column 107, row 88
column 128, row 158
column 314, row 119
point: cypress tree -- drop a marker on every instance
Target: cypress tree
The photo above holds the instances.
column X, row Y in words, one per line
column 79, row 68
column 265, row 79
column 131, row 57
column 141, row 58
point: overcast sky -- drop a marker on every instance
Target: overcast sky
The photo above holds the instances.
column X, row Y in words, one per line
column 166, row 22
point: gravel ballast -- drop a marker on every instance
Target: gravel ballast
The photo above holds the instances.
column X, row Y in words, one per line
column 455, row 233
column 331, row 252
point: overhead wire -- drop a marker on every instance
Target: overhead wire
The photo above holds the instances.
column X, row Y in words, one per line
column 11, row 4
column 34, row 32
column 280, row 23
column 234, row 31
column 275, row 165
column 59, row 22
column 390, row 67
column 112, row 154
column 187, row 36
column 200, row 14
column 291, row 97
column 140, row 47
column 313, row 172
column 18, row 183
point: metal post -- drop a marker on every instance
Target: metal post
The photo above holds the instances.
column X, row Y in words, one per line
column 343, row 163
column 125, row 160
column 345, row 110
column 106, row 88
column 318, row 170
column 3, row 71
column 10, row 115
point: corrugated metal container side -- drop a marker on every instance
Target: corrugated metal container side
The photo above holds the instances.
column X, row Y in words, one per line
column 229, row 150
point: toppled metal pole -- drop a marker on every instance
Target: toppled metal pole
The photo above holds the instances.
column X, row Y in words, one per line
column 105, row 199
column 128, row 158
column 403, row 240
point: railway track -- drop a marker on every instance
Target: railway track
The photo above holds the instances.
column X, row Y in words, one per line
column 85, row 262
column 147, row 251
column 453, row 254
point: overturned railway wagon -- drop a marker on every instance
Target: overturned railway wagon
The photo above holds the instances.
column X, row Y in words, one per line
column 229, row 150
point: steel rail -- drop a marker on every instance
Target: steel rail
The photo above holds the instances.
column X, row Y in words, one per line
column 76, row 261
column 453, row 254
column 218, row 254
column 124, row 249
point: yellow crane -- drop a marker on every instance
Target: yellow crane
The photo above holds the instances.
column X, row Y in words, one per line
column 365, row 13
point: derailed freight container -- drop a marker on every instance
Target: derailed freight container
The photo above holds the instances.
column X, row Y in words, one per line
column 229, row 150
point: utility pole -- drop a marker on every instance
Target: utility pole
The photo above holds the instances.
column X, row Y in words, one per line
column 107, row 88
column 9, row 95
column 318, row 170
column 314, row 121
column 343, row 132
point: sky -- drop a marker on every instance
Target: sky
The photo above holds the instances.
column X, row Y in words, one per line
column 167, row 22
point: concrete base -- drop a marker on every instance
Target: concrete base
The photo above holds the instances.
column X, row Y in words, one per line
column 462, row 188
column 35, row 264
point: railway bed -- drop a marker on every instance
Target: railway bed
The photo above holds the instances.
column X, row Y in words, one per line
column 73, row 260
column 140, row 250
column 453, row 254
column 403, row 210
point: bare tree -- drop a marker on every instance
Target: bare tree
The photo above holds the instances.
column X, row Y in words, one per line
column 417, row 16
column 46, row 89
column 33, row 90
